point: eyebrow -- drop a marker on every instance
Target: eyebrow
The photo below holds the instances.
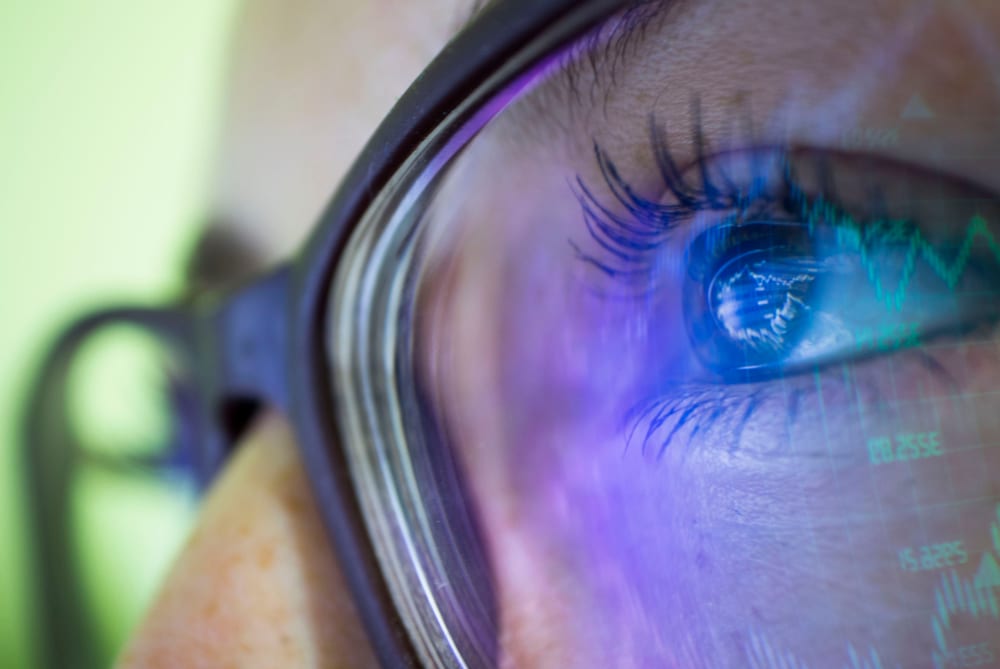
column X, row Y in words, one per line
column 635, row 17
column 587, row 76
column 609, row 48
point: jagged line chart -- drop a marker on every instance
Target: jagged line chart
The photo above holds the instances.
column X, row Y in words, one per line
column 864, row 239
column 953, row 596
column 761, row 654
column 910, row 28
column 957, row 596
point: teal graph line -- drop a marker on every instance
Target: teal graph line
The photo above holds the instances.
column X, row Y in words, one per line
column 976, row 597
column 858, row 238
column 872, row 661
column 955, row 595
column 763, row 655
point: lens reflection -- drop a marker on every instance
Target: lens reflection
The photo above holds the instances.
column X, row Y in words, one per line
column 708, row 326
column 661, row 485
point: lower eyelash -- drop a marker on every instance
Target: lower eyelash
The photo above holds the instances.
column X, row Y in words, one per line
column 721, row 414
column 700, row 409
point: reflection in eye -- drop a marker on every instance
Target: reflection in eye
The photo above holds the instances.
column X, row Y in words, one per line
column 785, row 275
column 749, row 297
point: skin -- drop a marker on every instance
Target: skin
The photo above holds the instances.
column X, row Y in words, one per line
column 288, row 136
column 761, row 521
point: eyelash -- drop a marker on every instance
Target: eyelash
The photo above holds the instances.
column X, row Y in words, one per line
column 701, row 408
column 631, row 244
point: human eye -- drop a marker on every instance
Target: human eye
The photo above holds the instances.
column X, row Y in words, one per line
column 771, row 346
column 729, row 399
column 798, row 278
column 796, row 259
column 801, row 257
column 790, row 269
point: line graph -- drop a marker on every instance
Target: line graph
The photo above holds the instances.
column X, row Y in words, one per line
column 975, row 597
column 865, row 239
column 955, row 595
column 761, row 654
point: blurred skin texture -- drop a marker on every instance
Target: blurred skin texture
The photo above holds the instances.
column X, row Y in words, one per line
column 759, row 519
column 257, row 585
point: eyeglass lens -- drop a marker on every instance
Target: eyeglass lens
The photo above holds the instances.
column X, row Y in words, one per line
column 720, row 363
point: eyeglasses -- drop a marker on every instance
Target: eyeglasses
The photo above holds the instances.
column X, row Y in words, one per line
column 446, row 368
column 324, row 339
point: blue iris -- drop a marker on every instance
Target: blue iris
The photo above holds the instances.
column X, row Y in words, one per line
column 748, row 295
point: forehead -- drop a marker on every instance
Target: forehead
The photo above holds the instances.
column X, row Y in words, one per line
column 311, row 79
column 308, row 83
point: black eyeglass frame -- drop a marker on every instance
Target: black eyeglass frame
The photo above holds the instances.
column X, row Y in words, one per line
column 265, row 343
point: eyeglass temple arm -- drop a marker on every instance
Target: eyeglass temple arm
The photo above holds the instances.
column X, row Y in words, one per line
column 232, row 348
column 50, row 454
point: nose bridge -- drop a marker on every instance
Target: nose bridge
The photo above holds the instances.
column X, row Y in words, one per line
column 249, row 343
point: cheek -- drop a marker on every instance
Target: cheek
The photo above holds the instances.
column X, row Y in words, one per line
column 849, row 514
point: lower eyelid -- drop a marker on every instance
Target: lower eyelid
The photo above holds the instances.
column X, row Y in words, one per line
column 806, row 416
column 690, row 417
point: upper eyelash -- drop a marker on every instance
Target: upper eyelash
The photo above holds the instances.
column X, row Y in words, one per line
column 628, row 242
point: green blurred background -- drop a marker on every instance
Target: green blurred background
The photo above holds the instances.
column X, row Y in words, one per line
column 108, row 110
